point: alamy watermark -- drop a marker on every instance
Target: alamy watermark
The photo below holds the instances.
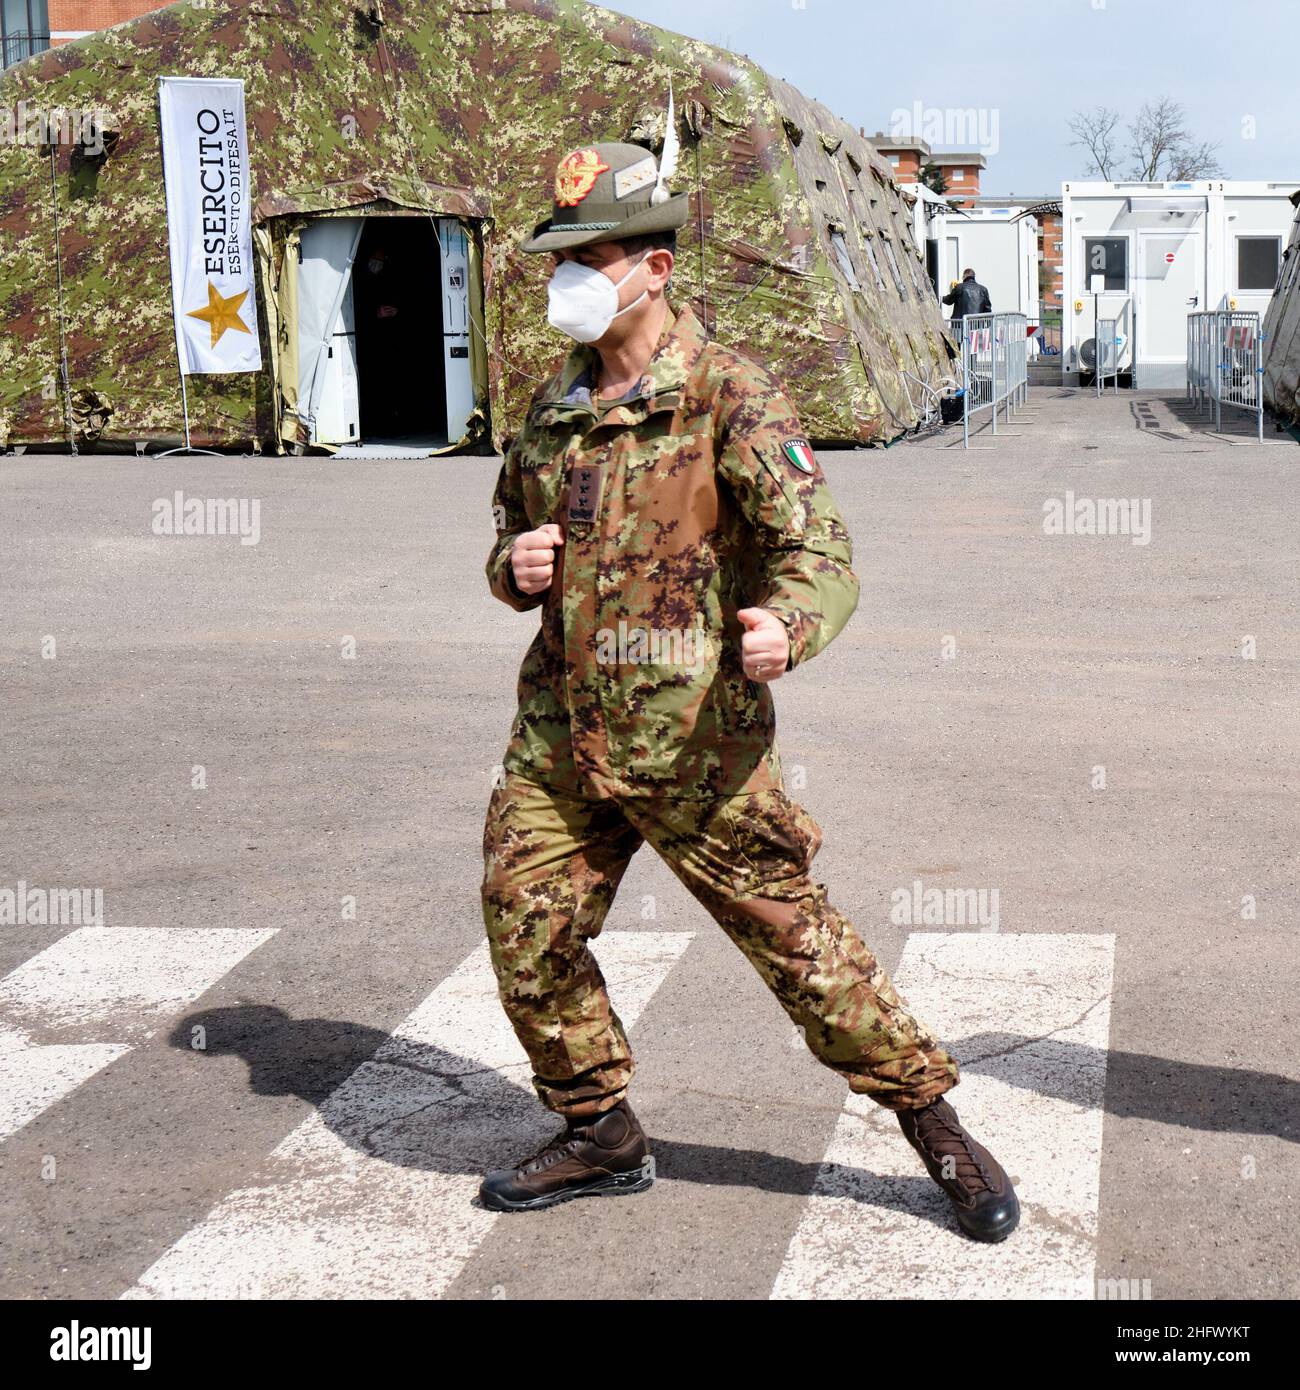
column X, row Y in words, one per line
column 24, row 124
column 919, row 906
column 81, row 1342
column 22, row 906
column 958, row 127
column 653, row 646
column 1098, row 516
column 179, row 515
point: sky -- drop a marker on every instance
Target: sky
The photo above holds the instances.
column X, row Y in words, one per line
column 1023, row 66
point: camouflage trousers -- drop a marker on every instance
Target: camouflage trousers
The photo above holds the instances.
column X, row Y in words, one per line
column 552, row 864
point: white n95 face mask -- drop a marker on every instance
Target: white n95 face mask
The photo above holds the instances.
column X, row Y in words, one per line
column 583, row 301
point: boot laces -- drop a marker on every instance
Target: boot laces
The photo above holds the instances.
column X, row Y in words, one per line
column 942, row 1138
column 557, row 1147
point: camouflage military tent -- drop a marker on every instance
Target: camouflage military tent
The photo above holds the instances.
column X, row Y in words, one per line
column 797, row 249
column 1282, row 333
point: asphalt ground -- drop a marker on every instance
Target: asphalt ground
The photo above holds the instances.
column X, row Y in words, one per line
column 952, row 735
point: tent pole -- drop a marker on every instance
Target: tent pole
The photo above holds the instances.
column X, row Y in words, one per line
column 185, row 400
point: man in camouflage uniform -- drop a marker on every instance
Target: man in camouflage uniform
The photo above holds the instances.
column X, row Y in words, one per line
column 662, row 509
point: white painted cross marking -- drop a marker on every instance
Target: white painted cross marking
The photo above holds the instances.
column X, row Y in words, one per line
column 373, row 1194
column 117, row 979
column 1034, row 1011
column 35, row 1077
column 102, row 981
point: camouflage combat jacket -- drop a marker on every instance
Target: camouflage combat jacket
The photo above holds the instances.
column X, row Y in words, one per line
column 693, row 497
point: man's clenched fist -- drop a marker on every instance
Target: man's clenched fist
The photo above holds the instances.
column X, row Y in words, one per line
column 532, row 557
column 765, row 646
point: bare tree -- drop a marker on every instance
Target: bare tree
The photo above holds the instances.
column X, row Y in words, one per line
column 1161, row 145
column 1194, row 162
column 1096, row 132
column 1160, row 128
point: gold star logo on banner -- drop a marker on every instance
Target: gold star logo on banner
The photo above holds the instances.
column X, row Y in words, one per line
column 221, row 313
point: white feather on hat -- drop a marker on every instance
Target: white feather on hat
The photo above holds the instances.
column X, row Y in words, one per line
column 668, row 159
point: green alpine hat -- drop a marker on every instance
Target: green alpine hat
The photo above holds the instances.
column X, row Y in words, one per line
column 606, row 192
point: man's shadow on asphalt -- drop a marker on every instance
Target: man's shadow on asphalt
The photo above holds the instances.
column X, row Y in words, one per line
column 419, row 1106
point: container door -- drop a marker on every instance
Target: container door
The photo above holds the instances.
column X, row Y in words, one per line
column 1170, row 284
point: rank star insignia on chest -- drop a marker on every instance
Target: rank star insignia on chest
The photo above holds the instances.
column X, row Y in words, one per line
column 800, row 453
column 584, row 494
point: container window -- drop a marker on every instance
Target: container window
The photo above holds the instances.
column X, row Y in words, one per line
column 1258, row 261
column 1108, row 256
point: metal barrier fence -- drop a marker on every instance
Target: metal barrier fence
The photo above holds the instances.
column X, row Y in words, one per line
column 1107, row 340
column 994, row 366
column 1225, row 364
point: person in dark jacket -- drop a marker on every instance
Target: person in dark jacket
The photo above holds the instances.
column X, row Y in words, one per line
column 970, row 297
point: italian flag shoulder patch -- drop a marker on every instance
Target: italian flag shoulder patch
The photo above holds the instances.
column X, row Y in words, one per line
column 800, row 453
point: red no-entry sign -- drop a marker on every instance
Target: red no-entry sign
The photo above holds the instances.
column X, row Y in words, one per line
column 1169, row 256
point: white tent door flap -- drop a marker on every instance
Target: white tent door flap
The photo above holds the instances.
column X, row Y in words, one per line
column 327, row 346
column 454, row 245
column 337, row 415
column 1170, row 284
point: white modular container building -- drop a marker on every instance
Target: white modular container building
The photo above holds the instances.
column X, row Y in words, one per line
column 1001, row 246
column 928, row 216
column 1145, row 255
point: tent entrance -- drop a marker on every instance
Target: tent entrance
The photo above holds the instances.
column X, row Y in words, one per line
column 397, row 303
column 383, row 334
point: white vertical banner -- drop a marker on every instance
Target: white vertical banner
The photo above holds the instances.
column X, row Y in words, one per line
column 209, row 225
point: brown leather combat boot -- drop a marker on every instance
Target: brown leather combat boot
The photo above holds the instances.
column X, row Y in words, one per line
column 603, row 1155
column 981, row 1191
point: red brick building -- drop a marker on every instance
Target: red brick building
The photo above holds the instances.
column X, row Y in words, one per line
column 1053, row 240
column 70, row 19
column 961, row 172
column 904, row 152
column 30, row 26
column 909, row 154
